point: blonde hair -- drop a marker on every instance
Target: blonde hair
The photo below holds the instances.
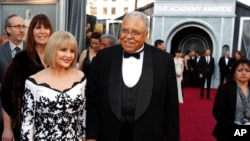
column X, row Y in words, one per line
column 55, row 42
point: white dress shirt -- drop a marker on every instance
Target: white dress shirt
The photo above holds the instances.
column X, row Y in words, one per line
column 208, row 59
column 226, row 60
column 132, row 69
column 12, row 47
column 198, row 58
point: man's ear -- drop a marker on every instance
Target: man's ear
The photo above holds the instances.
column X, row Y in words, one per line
column 7, row 29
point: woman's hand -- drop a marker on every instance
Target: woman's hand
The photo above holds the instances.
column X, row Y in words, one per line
column 8, row 135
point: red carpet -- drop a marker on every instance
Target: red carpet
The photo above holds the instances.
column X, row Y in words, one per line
column 196, row 119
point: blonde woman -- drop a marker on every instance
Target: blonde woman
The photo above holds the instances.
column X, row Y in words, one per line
column 54, row 100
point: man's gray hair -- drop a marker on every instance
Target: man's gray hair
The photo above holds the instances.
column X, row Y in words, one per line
column 139, row 15
column 112, row 39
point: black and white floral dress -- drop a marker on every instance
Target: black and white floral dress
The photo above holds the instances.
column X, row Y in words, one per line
column 52, row 115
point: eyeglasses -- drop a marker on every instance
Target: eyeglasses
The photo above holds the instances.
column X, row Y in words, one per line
column 133, row 32
column 18, row 26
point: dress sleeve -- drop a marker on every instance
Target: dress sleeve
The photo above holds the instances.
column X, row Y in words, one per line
column 82, row 113
column 28, row 112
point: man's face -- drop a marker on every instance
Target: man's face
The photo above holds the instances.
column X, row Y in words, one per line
column 133, row 34
column 105, row 43
column 193, row 53
column 16, row 29
column 208, row 52
column 227, row 54
column 161, row 46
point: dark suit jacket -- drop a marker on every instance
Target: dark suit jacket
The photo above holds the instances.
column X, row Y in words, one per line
column 204, row 68
column 5, row 58
column 224, row 68
column 197, row 64
column 157, row 112
column 224, row 110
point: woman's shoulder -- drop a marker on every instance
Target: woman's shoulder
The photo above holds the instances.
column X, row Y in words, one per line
column 21, row 56
column 21, row 62
column 30, row 82
column 78, row 73
column 77, row 76
column 187, row 57
column 229, row 86
column 39, row 75
column 84, row 52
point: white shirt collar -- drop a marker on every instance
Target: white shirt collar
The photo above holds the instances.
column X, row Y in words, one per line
column 132, row 69
column 12, row 46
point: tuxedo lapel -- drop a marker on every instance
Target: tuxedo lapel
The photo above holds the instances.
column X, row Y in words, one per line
column 145, row 88
column 146, row 83
column 115, row 82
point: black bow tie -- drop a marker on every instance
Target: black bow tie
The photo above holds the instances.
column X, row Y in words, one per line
column 136, row 55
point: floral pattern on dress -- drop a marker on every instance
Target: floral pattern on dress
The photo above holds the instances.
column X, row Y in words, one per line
column 52, row 115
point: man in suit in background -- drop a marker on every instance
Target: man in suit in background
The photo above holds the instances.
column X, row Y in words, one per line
column 131, row 94
column 206, row 70
column 196, row 79
column 15, row 29
column 108, row 40
column 160, row 44
column 225, row 63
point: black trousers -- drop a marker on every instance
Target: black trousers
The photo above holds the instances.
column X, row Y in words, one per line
column 127, row 131
column 207, row 77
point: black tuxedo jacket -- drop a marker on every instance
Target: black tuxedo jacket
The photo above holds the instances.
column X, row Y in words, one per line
column 157, row 111
column 197, row 64
column 206, row 68
column 224, row 68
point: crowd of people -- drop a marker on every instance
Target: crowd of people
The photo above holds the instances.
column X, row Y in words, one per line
column 112, row 94
column 196, row 69
column 116, row 90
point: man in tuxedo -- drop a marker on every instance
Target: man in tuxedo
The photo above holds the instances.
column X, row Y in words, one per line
column 206, row 70
column 225, row 63
column 131, row 94
column 160, row 44
column 108, row 40
column 15, row 29
column 196, row 79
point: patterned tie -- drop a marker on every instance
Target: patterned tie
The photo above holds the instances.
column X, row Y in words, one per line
column 17, row 50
